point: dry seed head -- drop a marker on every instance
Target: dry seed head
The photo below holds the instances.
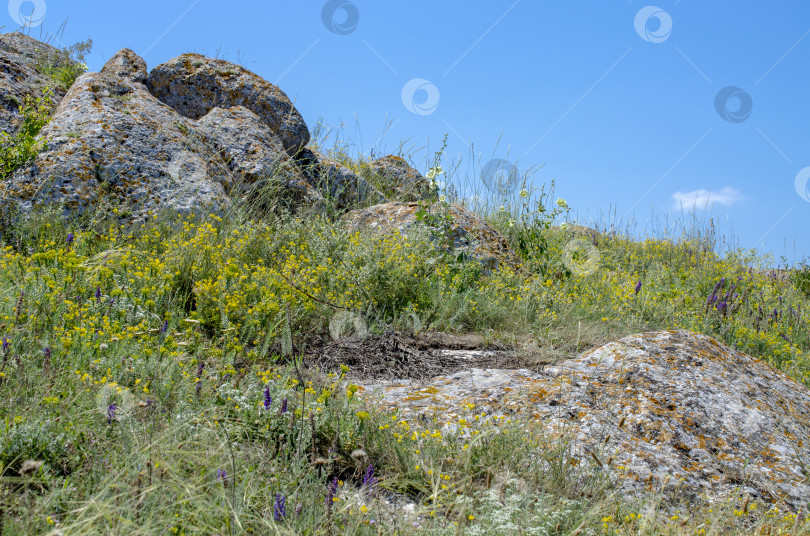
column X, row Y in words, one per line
column 359, row 454
column 29, row 467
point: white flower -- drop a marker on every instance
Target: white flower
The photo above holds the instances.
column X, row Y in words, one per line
column 502, row 208
column 561, row 203
column 524, row 193
column 564, row 225
column 441, row 198
column 434, row 172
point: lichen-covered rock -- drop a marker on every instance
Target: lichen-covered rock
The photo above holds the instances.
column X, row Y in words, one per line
column 193, row 85
column 335, row 181
column 111, row 139
column 26, row 47
column 255, row 155
column 395, row 178
column 126, row 64
column 468, row 231
column 669, row 410
column 19, row 77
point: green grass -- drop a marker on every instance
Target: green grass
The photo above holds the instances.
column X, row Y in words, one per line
column 137, row 360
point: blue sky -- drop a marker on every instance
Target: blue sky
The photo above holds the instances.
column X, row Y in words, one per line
column 633, row 109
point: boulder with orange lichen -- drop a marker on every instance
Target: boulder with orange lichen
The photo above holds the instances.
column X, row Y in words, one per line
column 670, row 411
column 193, row 85
column 110, row 139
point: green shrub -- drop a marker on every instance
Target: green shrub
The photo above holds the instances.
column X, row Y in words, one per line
column 19, row 148
column 66, row 65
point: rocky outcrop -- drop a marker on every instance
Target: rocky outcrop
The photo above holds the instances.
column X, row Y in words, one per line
column 111, row 140
column 468, row 232
column 193, row 133
column 341, row 185
column 193, row 85
column 396, row 179
column 20, row 77
column 670, row 410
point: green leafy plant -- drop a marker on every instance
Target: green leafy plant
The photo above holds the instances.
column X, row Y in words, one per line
column 527, row 232
column 19, row 148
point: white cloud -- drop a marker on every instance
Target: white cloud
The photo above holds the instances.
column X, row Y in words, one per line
column 699, row 199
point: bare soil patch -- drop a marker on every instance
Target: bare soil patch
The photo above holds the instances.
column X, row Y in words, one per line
column 419, row 357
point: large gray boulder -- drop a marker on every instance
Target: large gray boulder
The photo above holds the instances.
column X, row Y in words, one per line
column 111, row 140
column 193, row 85
column 667, row 411
column 255, row 155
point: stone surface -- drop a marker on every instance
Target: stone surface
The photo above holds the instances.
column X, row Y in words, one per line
column 19, row 77
column 25, row 47
column 670, row 410
column 193, row 85
column 469, row 232
column 254, row 154
column 110, row 139
column 345, row 188
column 126, row 64
column 398, row 180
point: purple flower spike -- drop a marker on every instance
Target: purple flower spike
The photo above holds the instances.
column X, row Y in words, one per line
column 267, row 398
column 638, row 287
column 279, row 509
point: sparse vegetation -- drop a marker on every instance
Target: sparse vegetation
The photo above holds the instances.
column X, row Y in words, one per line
column 22, row 146
column 65, row 65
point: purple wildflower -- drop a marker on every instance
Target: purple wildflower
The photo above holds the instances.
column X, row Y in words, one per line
column 368, row 479
column 111, row 413
column 267, row 398
column 47, row 352
column 222, row 476
column 98, row 294
column 298, row 508
column 330, row 494
column 279, row 509
column 165, row 327
column 638, row 287
column 6, row 344
column 70, row 238
column 284, row 406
